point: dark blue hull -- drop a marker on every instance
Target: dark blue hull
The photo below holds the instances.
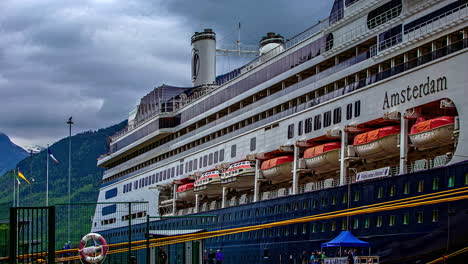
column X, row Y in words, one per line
column 407, row 235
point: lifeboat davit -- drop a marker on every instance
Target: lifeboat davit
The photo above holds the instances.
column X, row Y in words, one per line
column 278, row 169
column 239, row 175
column 378, row 144
column 209, row 184
column 323, row 158
column 433, row 133
column 186, row 192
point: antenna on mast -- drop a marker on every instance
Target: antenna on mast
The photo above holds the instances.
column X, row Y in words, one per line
column 244, row 51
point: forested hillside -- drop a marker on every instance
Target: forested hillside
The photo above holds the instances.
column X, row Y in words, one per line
column 85, row 175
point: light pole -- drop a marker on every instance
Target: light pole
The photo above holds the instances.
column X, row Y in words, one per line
column 70, row 123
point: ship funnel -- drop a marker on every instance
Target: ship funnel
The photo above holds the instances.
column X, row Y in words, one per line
column 203, row 58
column 271, row 45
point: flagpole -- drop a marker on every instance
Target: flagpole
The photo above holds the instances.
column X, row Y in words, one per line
column 47, row 177
column 17, row 200
column 14, row 188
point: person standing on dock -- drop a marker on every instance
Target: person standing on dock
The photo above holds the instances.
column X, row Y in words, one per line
column 211, row 257
column 219, row 257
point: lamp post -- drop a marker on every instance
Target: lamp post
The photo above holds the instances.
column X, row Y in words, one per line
column 70, row 123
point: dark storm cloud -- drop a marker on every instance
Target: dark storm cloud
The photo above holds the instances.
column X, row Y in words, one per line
column 94, row 59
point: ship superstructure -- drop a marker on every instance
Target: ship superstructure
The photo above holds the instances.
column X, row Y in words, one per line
column 368, row 104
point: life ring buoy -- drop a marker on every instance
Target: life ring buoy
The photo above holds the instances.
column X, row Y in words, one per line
column 86, row 252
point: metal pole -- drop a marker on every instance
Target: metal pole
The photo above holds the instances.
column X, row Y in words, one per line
column 14, row 189
column 129, row 232
column 47, row 176
column 295, row 179
column 148, row 259
column 70, row 123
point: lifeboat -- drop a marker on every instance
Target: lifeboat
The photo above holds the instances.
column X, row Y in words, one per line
column 378, row 144
column 433, row 133
column 209, row 184
column 239, row 175
column 278, row 169
column 323, row 158
column 185, row 192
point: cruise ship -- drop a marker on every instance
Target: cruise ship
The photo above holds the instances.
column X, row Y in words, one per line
column 366, row 107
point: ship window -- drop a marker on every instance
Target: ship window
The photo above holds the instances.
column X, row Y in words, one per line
column 308, row 125
column 272, row 210
column 296, row 206
column 221, row 155
column 288, row 207
column 233, row 151
column 344, row 199
column 300, row 128
column 205, row 160
column 406, row 188
column 271, row 232
column 257, row 212
column 337, row 115
column 216, row 157
column 280, row 209
column 201, row 162
column 324, row 201
column 355, row 223
column 253, row 144
column 391, row 220
column 466, row 179
column 392, row 190
column 435, row 215
column 421, row 186
column 329, row 42
column 350, row 2
column 181, row 168
column 419, row 217
column 384, row 13
column 380, row 192
column 278, row 231
column 314, row 203
column 349, row 111
column 210, row 159
column 333, row 226
column 314, row 228
column 305, row 205
column 304, row 229
column 317, row 122
column 290, row 131
column 286, row 231
column 333, row 199
column 379, row 221
column 367, row 222
column 406, row 219
column 295, row 230
column 344, row 225
column 356, row 196
column 190, row 165
column 451, row 181
column 173, row 172
column 357, row 108
column 327, row 119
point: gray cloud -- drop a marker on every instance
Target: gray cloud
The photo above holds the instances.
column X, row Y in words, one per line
column 94, row 59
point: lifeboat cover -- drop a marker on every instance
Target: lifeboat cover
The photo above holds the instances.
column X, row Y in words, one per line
column 376, row 134
column 315, row 151
column 268, row 164
column 185, row 187
column 431, row 124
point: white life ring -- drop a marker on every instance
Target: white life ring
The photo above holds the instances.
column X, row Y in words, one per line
column 86, row 252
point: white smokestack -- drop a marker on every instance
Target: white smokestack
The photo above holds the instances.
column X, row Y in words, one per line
column 203, row 58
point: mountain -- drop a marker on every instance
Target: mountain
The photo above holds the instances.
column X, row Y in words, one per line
column 85, row 175
column 10, row 154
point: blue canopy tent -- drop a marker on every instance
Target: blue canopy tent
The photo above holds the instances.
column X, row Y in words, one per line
column 346, row 239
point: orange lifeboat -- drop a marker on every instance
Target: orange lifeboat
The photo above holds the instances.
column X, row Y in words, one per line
column 209, row 183
column 378, row 144
column 278, row 169
column 239, row 175
column 323, row 158
column 185, row 192
column 433, row 133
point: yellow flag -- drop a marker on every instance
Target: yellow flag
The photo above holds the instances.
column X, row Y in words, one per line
column 22, row 176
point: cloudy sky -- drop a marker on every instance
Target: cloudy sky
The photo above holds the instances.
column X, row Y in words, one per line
column 94, row 59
